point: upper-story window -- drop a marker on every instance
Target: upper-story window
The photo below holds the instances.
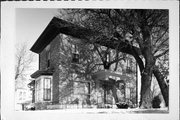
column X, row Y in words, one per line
column 22, row 95
column 48, row 59
column 75, row 55
column 129, row 68
column 48, row 55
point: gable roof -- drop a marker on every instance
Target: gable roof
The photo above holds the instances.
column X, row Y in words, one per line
column 57, row 26
column 41, row 72
column 50, row 32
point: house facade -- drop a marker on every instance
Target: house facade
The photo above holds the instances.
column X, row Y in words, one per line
column 48, row 90
column 46, row 86
column 46, row 78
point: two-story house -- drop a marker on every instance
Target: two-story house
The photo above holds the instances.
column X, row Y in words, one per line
column 47, row 87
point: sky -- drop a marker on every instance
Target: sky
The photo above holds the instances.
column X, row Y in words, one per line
column 30, row 23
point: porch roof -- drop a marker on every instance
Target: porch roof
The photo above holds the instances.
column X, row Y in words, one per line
column 41, row 72
column 106, row 74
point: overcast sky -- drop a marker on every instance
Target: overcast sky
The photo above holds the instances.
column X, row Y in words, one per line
column 30, row 23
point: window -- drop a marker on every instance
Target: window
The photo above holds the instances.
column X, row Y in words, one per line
column 48, row 59
column 43, row 89
column 75, row 54
column 75, row 58
column 38, row 90
column 20, row 95
column 47, row 89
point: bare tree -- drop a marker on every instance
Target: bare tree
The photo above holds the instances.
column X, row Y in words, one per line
column 23, row 61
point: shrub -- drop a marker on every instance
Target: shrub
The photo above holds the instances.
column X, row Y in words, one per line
column 123, row 105
column 156, row 102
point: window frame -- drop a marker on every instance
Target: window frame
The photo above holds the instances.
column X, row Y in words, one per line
column 47, row 91
column 48, row 58
column 38, row 90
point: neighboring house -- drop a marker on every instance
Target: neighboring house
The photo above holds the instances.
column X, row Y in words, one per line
column 31, row 86
column 47, row 89
column 22, row 94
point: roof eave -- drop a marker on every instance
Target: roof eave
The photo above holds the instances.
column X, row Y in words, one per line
column 41, row 72
column 50, row 32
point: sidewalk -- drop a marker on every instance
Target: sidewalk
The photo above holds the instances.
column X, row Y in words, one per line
column 108, row 111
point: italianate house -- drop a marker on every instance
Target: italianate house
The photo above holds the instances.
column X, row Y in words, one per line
column 56, row 86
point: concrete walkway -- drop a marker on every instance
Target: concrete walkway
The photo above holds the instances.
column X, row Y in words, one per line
column 108, row 111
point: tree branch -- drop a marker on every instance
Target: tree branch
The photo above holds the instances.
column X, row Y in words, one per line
column 117, row 60
column 99, row 53
column 87, row 35
column 161, row 54
column 160, row 45
column 161, row 36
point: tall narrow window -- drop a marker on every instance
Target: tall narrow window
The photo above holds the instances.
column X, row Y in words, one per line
column 47, row 89
column 129, row 66
column 48, row 59
column 38, row 90
column 75, row 55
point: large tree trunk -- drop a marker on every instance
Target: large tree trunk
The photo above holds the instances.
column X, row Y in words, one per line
column 145, row 101
column 146, row 74
column 162, row 84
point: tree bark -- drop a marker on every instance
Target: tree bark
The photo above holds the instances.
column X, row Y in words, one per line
column 145, row 101
column 146, row 77
column 162, row 84
column 146, row 74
